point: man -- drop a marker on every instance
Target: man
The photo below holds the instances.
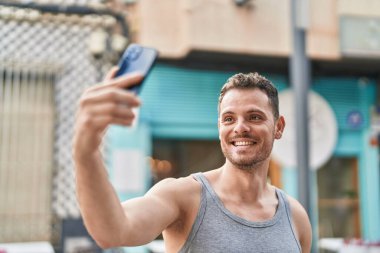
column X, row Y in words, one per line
column 229, row 209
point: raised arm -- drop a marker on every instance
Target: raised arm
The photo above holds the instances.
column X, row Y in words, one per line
column 109, row 222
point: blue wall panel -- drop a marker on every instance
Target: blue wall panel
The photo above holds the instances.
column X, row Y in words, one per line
column 347, row 95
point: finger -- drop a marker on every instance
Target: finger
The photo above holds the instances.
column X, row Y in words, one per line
column 128, row 80
column 114, row 95
column 123, row 81
column 98, row 121
column 113, row 110
column 103, row 122
column 111, row 73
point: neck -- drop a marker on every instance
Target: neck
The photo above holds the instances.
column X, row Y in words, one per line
column 246, row 183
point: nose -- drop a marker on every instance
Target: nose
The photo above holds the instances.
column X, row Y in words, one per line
column 241, row 127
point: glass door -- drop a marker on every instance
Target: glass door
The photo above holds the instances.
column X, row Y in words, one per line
column 338, row 198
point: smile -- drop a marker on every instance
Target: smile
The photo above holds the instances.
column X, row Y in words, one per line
column 243, row 143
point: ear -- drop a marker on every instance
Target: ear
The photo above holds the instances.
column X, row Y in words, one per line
column 280, row 126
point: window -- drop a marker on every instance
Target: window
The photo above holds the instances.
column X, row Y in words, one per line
column 338, row 203
column 185, row 157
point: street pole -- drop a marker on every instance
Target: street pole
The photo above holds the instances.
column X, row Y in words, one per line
column 300, row 80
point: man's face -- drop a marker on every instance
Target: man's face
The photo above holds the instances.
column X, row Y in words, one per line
column 247, row 127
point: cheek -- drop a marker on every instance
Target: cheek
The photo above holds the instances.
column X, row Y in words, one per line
column 222, row 134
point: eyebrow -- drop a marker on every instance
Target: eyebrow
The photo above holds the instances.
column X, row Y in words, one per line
column 256, row 110
column 250, row 111
column 227, row 112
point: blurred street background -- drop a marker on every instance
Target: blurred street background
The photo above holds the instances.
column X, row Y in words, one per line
column 51, row 50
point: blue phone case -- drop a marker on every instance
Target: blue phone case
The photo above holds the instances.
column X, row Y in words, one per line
column 137, row 58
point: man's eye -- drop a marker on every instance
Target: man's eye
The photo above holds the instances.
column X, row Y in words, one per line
column 227, row 119
column 255, row 117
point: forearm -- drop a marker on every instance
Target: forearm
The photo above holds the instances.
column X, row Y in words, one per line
column 101, row 105
column 99, row 204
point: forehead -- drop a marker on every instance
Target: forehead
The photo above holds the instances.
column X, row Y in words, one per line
column 249, row 99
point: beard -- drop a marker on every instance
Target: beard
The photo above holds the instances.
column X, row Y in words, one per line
column 246, row 161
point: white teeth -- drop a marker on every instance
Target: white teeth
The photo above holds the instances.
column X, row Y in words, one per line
column 243, row 143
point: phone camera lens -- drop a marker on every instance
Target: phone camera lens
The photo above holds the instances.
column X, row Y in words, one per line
column 134, row 52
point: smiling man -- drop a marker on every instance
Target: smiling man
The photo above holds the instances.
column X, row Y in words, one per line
column 229, row 209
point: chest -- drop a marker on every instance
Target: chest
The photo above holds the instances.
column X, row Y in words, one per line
column 223, row 228
column 220, row 232
column 251, row 212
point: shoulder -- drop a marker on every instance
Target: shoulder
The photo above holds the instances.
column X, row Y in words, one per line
column 184, row 195
column 176, row 185
column 180, row 191
column 301, row 223
column 298, row 211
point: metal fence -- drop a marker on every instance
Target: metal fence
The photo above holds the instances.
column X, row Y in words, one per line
column 46, row 60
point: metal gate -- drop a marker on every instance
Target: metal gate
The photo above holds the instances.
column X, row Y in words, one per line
column 47, row 57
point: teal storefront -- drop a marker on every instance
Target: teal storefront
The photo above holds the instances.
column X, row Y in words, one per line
column 181, row 103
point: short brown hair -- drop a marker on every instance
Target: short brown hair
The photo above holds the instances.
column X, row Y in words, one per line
column 252, row 81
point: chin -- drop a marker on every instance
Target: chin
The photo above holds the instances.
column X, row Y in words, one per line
column 244, row 164
column 248, row 163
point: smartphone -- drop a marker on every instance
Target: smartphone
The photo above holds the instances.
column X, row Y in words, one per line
column 137, row 58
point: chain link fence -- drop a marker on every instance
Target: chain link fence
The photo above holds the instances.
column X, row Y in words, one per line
column 46, row 60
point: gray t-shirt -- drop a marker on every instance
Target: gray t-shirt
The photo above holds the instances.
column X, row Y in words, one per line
column 216, row 229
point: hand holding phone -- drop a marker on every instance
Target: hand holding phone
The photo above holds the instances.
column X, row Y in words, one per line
column 137, row 58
